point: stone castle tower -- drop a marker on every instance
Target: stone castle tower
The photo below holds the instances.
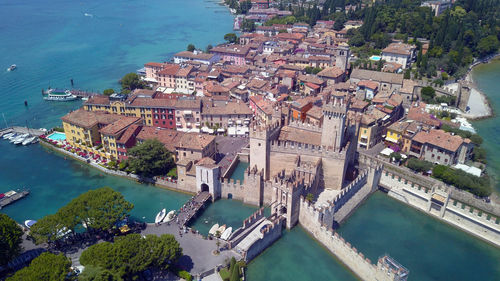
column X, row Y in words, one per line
column 260, row 137
column 334, row 123
column 342, row 57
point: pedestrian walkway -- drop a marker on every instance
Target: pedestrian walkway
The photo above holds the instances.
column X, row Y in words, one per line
column 189, row 210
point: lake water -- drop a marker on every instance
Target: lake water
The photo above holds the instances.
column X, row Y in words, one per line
column 96, row 43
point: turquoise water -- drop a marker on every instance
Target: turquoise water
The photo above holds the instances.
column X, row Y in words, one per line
column 375, row 58
column 239, row 171
column 486, row 78
column 52, row 42
column 57, row 136
column 228, row 212
column 296, row 256
column 430, row 249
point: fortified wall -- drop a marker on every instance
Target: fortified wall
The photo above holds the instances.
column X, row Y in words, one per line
column 386, row 268
column 434, row 198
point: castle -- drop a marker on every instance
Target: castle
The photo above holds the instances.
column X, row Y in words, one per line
column 287, row 160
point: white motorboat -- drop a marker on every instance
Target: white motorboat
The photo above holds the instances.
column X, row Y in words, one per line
column 35, row 140
column 6, row 136
column 12, row 67
column 19, row 139
column 213, row 229
column 227, row 233
column 28, row 140
column 13, row 136
column 169, row 216
column 29, row 223
column 221, row 229
column 160, row 216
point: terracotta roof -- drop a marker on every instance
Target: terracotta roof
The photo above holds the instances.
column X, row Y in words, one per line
column 363, row 74
column 154, row 64
column 368, row 84
column 312, row 86
column 188, row 103
column 168, row 137
column 129, row 132
column 399, row 48
column 88, row 119
column 98, row 100
column 194, row 141
column 234, row 107
column 153, row 103
column 216, row 88
column 170, row 69
column 315, row 112
column 331, row 72
column 398, row 127
column 119, row 125
column 206, row 162
column 440, row 139
column 231, row 49
column 288, row 133
column 191, row 55
column 184, row 72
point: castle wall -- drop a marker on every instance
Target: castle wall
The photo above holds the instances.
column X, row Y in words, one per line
column 269, row 235
column 343, row 250
column 468, row 218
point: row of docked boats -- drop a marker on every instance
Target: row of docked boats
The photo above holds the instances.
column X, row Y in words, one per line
column 224, row 232
column 164, row 217
column 20, row 138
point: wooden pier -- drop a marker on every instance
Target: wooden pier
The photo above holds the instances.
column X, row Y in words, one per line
column 189, row 210
column 12, row 196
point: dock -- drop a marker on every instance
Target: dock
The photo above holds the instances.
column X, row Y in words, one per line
column 189, row 210
column 23, row 130
column 12, row 196
column 84, row 94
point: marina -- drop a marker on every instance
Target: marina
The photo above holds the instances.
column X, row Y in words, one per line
column 22, row 135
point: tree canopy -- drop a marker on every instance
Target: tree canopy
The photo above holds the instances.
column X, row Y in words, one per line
column 231, row 38
column 108, row 92
column 190, row 47
column 130, row 82
column 132, row 254
column 99, row 209
column 47, row 266
column 10, row 243
column 150, row 158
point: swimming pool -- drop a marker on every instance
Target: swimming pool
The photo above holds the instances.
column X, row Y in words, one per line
column 375, row 58
column 57, row 136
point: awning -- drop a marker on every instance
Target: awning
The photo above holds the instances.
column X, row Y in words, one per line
column 188, row 112
column 221, row 130
column 386, row 151
column 391, row 139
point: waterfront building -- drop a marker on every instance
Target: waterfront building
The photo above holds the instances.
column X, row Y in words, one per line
column 197, row 56
column 231, row 53
column 401, row 53
column 111, row 135
column 440, row 147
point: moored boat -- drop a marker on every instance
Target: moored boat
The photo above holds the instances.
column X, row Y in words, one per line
column 213, row 229
column 227, row 233
column 29, row 223
column 19, row 138
column 160, row 216
column 58, row 95
column 28, row 140
column 6, row 136
column 12, row 67
column 221, row 229
column 169, row 216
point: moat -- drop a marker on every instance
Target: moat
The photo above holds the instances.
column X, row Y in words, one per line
column 380, row 225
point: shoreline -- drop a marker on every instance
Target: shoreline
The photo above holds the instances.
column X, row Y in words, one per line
column 474, row 88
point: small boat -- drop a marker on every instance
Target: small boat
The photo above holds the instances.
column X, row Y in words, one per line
column 160, row 216
column 227, row 233
column 13, row 136
column 12, row 67
column 214, row 229
column 28, row 140
column 63, row 232
column 19, row 139
column 58, row 95
column 169, row 216
column 221, row 229
column 29, row 223
column 6, row 136
column 35, row 140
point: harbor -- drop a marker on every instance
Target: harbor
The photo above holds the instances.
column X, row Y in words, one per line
column 22, row 135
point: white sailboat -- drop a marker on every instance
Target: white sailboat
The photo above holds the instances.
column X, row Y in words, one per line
column 227, row 233
column 6, row 136
column 28, row 140
column 160, row 216
column 213, row 229
column 19, row 139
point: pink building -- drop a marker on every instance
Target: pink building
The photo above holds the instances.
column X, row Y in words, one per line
column 152, row 68
column 166, row 76
column 234, row 54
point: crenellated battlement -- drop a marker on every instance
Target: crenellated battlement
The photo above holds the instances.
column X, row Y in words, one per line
column 257, row 215
column 303, row 149
column 260, row 131
column 305, row 126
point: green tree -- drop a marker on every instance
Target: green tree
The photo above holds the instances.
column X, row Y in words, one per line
column 235, row 273
column 132, row 254
column 190, row 47
column 45, row 267
column 407, row 74
column 428, row 93
column 231, row 38
column 209, row 47
column 108, row 92
column 419, row 165
column 150, row 158
column 488, row 45
column 10, row 243
column 310, row 197
column 130, row 82
column 247, row 25
column 93, row 273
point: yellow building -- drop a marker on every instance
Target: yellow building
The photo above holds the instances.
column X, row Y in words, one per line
column 395, row 133
column 112, row 132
